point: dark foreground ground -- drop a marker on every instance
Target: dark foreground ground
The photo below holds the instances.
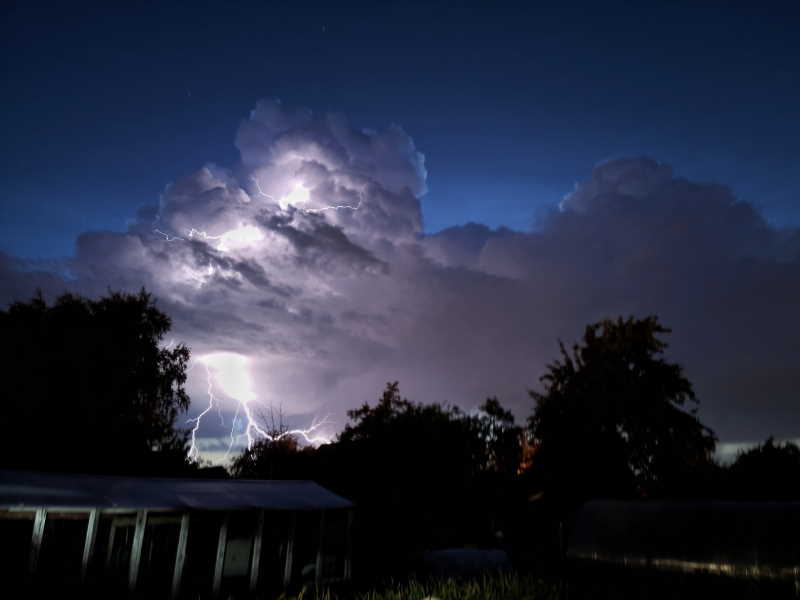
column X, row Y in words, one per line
column 583, row 582
column 578, row 582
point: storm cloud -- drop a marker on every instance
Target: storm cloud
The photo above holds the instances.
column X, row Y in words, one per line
column 309, row 258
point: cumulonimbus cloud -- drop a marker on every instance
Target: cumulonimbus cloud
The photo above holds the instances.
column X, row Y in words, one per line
column 309, row 258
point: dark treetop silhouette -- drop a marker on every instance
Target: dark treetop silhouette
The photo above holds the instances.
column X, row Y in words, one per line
column 768, row 471
column 422, row 475
column 428, row 476
column 610, row 420
column 87, row 388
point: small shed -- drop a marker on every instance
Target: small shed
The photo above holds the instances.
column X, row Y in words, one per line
column 172, row 537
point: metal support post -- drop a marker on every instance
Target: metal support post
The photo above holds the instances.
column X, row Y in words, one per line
column 320, row 549
column 88, row 545
column 180, row 555
column 222, row 544
column 36, row 539
column 287, row 571
column 348, row 558
column 136, row 549
column 255, row 559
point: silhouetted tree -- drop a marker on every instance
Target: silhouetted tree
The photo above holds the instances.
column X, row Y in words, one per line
column 499, row 495
column 88, row 387
column 412, row 443
column 502, row 438
column 768, row 471
column 610, row 420
column 409, row 449
column 419, row 474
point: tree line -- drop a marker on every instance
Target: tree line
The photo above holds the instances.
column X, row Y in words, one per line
column 88, row 386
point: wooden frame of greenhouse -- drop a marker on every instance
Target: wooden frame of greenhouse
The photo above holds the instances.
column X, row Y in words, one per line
column 171, row 537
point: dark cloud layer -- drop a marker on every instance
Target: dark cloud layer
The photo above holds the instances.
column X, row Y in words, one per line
column 633, row 239
column 308, row 259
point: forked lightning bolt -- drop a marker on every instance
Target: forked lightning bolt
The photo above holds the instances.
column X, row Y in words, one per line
column 244, row 236
column 252, row 430
column 194, row 453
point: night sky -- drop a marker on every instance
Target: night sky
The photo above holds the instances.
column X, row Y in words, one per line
column 533, row 120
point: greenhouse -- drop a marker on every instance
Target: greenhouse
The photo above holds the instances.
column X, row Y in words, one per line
column 171, row 537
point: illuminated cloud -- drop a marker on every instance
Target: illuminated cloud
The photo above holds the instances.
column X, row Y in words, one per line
column 294, row 301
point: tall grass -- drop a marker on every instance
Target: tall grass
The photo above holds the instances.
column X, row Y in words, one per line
column 503, row 586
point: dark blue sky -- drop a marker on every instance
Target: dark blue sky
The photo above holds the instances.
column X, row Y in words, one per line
column 511, row 104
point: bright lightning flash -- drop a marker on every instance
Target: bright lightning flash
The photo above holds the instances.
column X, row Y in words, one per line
column 297, row 197
column 231, row 373
column 194, row 453
column 241, row 237
column 300, row 195
column 245, row 236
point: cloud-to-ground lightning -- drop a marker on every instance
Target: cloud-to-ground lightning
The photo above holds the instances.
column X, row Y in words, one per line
column 194, row 453
column 230, row 372
column 233, row 435
column 227, row 372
